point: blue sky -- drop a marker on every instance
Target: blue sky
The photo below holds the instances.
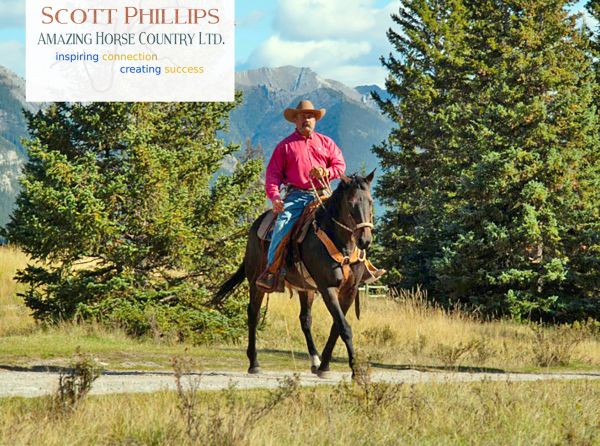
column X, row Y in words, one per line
column 339, row 39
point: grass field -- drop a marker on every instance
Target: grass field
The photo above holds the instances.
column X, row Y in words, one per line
column 393, row 333
column 543, row 413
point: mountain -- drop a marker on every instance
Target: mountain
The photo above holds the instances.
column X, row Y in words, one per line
column 365, row 91
column 12, row 128
column 353, row 122
column 352, row 119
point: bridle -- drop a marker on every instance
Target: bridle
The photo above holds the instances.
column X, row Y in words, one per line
column 364, row 224
column 356, row 227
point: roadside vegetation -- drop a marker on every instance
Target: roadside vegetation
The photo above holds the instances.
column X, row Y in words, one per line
column 533, row 413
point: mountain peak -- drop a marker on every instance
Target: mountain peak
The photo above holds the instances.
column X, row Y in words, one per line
column 296, row 80
column 14, row 86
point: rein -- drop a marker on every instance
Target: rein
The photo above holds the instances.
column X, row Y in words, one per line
column 357, row 255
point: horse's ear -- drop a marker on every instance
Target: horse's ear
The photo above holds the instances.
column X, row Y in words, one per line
column 345, row 179
column 369, row 177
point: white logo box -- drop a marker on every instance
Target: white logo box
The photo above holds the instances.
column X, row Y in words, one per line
column 138, row 50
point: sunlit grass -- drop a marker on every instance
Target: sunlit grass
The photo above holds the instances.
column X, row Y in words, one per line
column 413, row 333
column 500, row 413
column 14, row 316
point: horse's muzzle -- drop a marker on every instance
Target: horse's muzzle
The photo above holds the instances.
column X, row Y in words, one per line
column 365, row 238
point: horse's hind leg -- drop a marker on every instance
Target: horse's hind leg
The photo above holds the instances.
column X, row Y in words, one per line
column 306, row 301
column 256, row 298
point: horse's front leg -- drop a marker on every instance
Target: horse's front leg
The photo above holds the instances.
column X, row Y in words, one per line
column 337, row 308
column 306, row 300
column 256, row 298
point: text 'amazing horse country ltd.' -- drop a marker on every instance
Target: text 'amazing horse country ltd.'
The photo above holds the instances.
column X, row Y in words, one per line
column 346, row 217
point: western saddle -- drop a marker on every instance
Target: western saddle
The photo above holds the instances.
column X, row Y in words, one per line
column 288, row 253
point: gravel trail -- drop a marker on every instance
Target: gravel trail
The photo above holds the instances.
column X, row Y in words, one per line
column 33, row 383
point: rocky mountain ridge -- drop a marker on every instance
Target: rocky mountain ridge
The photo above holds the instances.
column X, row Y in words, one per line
column 12, row 128
column 352, row 119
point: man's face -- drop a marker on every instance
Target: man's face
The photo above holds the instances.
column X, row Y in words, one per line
column 305, row 122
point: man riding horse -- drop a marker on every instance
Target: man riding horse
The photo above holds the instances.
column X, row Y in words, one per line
column 330, row 243
column 302, row 160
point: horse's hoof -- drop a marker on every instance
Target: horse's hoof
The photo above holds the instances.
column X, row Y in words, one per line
column 314, row 369
column 324, row 374
column 254, row 370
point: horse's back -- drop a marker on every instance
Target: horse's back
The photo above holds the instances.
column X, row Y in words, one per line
column 255, row 257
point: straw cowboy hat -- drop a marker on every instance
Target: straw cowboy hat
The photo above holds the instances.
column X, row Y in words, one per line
column 303, row 106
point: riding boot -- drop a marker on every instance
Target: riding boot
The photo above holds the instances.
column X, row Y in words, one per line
column 271, row 281
column 266, row 281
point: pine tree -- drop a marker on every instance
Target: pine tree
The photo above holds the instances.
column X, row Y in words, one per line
column 593, row 7
column 492, row 175
column 120, row 219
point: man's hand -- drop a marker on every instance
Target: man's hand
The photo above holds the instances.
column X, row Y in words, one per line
column 277, row 205
column 318, row 172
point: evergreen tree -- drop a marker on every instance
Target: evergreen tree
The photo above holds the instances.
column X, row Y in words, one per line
column 492, row 174
column 120, row 219
column 593, row 7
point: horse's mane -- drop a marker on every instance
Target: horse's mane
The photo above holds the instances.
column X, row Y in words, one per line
column 331, row 206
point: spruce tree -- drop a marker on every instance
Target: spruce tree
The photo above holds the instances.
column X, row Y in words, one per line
column 120, row 218
column 492, row 174
column 593, row 7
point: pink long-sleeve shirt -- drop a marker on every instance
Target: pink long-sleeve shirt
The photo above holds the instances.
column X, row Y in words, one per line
column 296, row 155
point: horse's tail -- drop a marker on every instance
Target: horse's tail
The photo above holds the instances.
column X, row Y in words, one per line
column 229, row 286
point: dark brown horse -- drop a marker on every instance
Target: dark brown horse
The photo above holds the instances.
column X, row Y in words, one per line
column 346, row 217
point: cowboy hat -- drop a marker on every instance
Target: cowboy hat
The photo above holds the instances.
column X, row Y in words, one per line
column 303, row 106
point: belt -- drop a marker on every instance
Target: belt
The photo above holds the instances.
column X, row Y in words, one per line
column 321, row 192
column 290, row 188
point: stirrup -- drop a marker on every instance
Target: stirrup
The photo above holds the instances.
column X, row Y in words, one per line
column 266, row 281
column 374, row 275
column 271, row 282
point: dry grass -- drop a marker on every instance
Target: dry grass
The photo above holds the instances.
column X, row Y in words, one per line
column 14, row 316
column 402, row 332
column 540, row 413
column 411, row 332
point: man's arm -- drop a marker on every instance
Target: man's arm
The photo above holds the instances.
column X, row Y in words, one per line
column 274, row 173
column 337, row 165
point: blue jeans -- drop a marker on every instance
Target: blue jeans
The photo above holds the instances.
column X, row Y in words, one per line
column 293, row 206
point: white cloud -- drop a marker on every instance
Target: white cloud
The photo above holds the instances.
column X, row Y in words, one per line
column 333, row 19
column 12, row 56
column 323, row 19
column 339, row 39
column 12, row 13
column 590, row 21
column 318, row 54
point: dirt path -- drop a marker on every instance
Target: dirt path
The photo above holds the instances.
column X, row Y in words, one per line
column 29, row 383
